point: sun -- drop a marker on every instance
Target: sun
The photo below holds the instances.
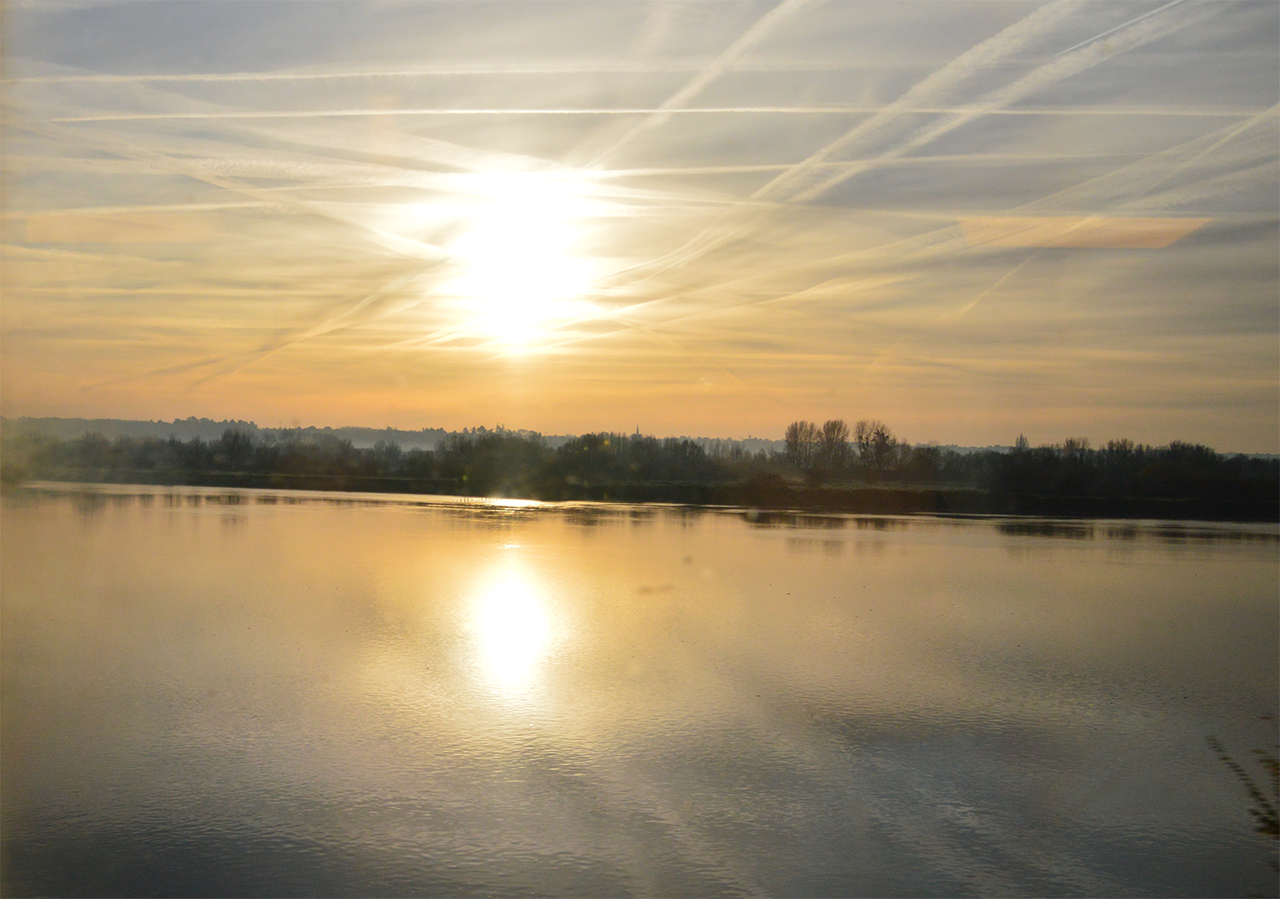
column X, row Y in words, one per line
column 518, row 261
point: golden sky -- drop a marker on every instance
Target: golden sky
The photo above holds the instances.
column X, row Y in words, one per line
column 969, row 219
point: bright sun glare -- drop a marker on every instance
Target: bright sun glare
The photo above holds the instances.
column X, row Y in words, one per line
column 519, row 274
column 513, row 631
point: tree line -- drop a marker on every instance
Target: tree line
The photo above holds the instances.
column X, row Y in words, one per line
column 479, row 462
column 872, row 453
column 831, row 465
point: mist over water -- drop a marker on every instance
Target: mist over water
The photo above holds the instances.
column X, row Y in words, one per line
column 218, row 692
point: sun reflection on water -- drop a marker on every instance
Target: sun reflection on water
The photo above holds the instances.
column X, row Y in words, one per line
column 513, row 631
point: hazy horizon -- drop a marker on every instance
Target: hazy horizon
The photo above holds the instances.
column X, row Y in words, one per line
column 502, row 426
column 971, row 220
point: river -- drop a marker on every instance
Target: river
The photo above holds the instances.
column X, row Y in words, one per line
column 239, row 692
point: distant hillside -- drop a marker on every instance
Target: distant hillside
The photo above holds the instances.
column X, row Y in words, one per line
column 361, row 438
column 208, row 429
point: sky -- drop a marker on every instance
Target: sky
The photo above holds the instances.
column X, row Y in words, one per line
column 970, row 219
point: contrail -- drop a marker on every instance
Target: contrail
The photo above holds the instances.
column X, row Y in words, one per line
column 763, row 26
column 1230, row 135
column 604, row 174
column 1226, row 185
column 10, row 249
column 1154, row 169
column 928, row 91
column 1110, row 31
column 589, row 68
column 602, row 67
column 330, row 174
column 1127, row 175
column 818, row 174
column 377, row 174
column 956, row 313
column 136, row 210
column 212, row 290
column 951, row 237
column 1090, row 54
column 982, row 55
column 969, row 111
column 172, row 165
column 241, row 361
column 419, row 149
column 940, row 84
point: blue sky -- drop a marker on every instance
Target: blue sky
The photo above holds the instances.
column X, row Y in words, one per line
column 968, row 219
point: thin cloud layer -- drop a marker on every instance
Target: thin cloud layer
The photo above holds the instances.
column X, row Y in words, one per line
column 968, row 219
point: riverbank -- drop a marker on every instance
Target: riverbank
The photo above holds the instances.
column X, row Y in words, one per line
column 761, row 492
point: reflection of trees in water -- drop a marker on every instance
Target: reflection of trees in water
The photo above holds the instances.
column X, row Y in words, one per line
column 639, row 515
column 1264, row 807
column 1171, row 533
column 813, row 544
column 685, row 516
column 1067, row 530
column 587, row 517
column 800, row 521
column 225, row 499
column 880, row 524
column 90, row 504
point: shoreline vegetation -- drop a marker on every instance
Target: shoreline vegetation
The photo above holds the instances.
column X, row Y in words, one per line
column 823, row 469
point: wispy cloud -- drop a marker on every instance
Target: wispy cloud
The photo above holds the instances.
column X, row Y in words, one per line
column 870, row 206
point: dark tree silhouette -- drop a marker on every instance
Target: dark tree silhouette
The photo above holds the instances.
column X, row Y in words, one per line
column 1121, row 478
column 877, row 447
column 835, row 445
column 802, row 440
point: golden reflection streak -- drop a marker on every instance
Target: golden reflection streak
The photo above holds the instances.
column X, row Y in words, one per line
column 512, row 629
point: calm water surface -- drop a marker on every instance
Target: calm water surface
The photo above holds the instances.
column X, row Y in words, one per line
column 251, row 693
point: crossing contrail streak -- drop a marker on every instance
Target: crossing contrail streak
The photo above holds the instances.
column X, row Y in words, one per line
column 753, row 35
column 936, row 242
column 1111, row 31
column 952, row 238
column 416, row 148
column 242, row 361
column 937, row 86
column 934, row 87
column 173, row 165
column 797, row 184
column 603, row 67
column 586, row 68
column 975, row 110
column 1144, row 174
column 234, row 362
column 62, row 253
column 1226, row 138
column 1134, row 35
column 1129, row 36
